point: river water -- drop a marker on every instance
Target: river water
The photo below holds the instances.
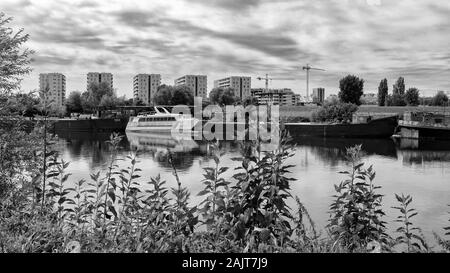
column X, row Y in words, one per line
column 420, row 169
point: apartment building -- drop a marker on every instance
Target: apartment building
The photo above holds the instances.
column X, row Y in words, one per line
column 318, row 95
column 56, row 84
column 284, row 96
column 96, row 77
column 240, row 85
column 197, row 83
column 145, row 87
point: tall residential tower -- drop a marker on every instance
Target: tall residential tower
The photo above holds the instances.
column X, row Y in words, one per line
column 96, row 77
column 240, row 85
column 53, row 86
column 197, row 83
column 145, row 87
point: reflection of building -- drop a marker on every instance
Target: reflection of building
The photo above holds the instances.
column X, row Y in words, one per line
column 240, row 85
column 281, row 97
column 56, row 84
column 197, row 83
column 145, row 87
column 318, row 95
column 95, row 77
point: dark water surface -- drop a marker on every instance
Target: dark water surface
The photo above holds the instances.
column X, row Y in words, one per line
column 421, row 169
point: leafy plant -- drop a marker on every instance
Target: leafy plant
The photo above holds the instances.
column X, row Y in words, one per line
column 261, row 215
column 408, row 233
column 356, row 214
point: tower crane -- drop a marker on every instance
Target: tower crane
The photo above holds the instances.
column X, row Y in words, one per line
column 308, row 68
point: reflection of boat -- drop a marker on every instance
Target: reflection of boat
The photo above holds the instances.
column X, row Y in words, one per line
column 383, row 147
column 425, row 125
column 423, row 144
column 377, row 128
column 145, row 141
column 161, row 120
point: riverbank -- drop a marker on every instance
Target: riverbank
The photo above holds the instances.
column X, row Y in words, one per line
column 304, row 113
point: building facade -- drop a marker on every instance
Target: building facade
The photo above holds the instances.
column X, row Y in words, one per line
column 241, row 85
column 53, row 88
column 145, row 87
column 282, row 97
column 96, row 77
column 318, row 95
column 197, row 83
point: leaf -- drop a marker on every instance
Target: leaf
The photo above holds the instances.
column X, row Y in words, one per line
column 203, row 192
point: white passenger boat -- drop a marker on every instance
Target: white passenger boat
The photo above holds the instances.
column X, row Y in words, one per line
column 162, row 121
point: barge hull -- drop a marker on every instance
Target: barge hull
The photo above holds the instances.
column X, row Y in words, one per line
column 379, row 128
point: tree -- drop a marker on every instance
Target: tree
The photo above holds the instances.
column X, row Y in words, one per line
column 250, row 101
column 93, row 96
column 222, row 96
column 412, row 96
column 382, row 92
column 14, row 60
column 396, row 100
column 87, row 102
column 399, row 86
column 73, row 103
column 351, row 89
column 98, row 90
column 138, row 102
column 164, row 95
column 440, row 99
column 108, row 101
column 182, row 95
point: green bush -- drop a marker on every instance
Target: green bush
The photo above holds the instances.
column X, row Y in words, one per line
column 335, row 112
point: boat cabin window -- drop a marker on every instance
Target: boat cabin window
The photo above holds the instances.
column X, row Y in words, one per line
column 151, row 119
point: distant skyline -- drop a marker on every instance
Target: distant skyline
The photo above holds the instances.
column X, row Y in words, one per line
column 373, row 39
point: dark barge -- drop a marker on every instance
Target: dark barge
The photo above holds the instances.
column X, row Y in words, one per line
column 91, row 125
column 425, row 125
column 376, row 128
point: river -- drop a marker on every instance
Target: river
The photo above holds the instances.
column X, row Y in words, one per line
column 420, row 169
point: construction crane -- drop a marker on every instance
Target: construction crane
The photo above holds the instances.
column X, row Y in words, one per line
column 308, row 68
column 267, row 79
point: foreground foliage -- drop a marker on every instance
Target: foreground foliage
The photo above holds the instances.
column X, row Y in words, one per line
column 116, row 211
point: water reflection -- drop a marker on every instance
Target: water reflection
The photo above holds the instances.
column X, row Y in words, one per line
column 415, row 151
column 333, row 150
column 418, row 168
column 90, row 147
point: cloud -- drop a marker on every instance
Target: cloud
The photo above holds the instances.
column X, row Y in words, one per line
column 371, row 38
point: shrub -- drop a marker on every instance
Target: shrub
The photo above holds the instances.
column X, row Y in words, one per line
column 356, row 214
column 335, row 112
column 440, row 99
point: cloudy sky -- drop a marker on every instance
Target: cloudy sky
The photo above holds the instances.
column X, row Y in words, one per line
column 373, row 39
